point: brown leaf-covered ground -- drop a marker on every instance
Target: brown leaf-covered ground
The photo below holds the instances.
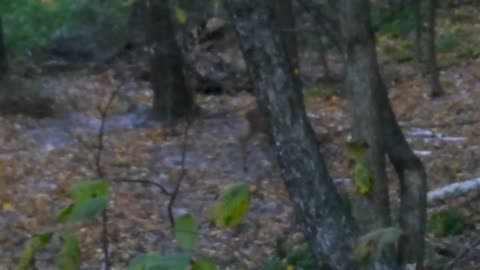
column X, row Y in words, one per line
column 42, row 158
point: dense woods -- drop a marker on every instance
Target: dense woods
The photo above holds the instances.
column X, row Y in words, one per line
column 237, row 134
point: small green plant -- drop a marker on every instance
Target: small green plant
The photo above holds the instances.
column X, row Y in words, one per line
column 89, row 198
column 373, row 244
column 448, row 222
column 227, row 211
column 291, row 254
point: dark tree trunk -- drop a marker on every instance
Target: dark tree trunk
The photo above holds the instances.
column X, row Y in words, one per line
column 328, row 227
column 3, row 53
column 286, row 22
column 417, row 9
column 361, row 83
column 363, row 77
column 436, row 86
column 172, row 97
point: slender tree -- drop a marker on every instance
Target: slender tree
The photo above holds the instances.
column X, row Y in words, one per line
column 432, row 66
column 286, row 22
column 3, row 52
column 378, row 126
column 172, row 97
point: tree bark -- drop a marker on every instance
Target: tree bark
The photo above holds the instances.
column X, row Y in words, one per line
column 370, row 100
column 329, row 228
column 172, row 96
column 432, row 66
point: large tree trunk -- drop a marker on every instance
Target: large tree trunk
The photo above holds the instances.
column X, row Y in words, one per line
column 363, row 79
column 172, row 97
column 326, row 224
column 432, row 67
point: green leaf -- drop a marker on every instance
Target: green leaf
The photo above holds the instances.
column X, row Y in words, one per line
column 356, row 149
column 156, row 261
column 447, row 222
column 203, row 264
column 186, row 232
column 33, row 245
column 363, row 178
column 88, row 209
column 181, row 15
column 69, row 256
column 230, row 207
column 89, row 189
column 65, row 213
column 89, row 199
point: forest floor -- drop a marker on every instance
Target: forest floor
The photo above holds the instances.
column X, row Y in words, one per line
column 42, row 158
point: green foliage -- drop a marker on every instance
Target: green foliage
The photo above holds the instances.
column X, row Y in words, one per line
column 180, row 15
column 230, row 207
column 227, row 211
column 450, row 40
column 186, row 232
column 447, row 222
column 301, row 257
column 203, row 264
column 32, row 23
column 371, row 245
column 69, row 256
column 292, row 254
column 363, row 177
column 393, row 24
column 274, row 264
column 156, row 261
column 89, row 199
column 32, row 246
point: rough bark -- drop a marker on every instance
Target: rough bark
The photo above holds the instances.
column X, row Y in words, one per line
column 363, row 69
column 326, row 224
column 432, row 66
column 361, row 84
column 286, row 22
column 172, row 97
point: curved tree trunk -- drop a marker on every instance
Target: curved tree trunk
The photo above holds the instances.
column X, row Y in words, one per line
column 172, row 96
column 328, row 227
column 370, row 101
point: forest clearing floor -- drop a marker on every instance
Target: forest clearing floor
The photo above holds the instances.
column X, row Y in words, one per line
column 43, row 158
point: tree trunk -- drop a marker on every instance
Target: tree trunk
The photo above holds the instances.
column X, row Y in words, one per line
column 3, row 53
column 286, row 23
column 361, row 84
column 172, row 97
column 417, row 9
column 326, row 224
column 432, row 67
column 363, row 76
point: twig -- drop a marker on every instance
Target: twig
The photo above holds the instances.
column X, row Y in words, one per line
column 100, row 173
column 146, row 181
column 183, row 172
